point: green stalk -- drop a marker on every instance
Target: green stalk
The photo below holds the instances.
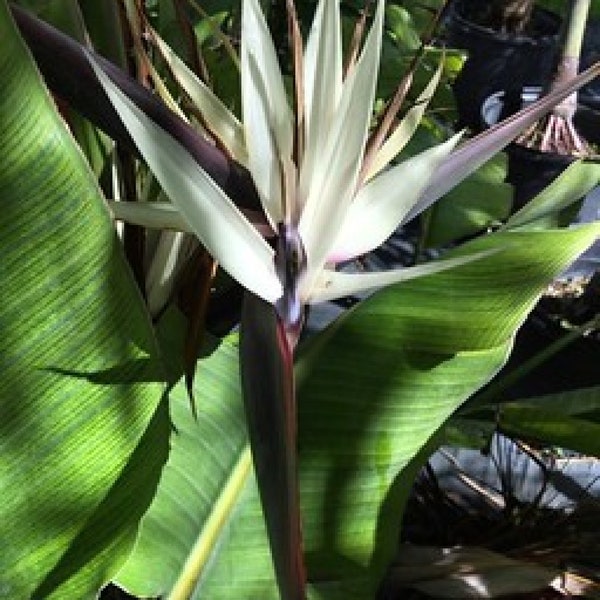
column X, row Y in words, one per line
column 199, row 556
column 569, row 61
column 556, row 133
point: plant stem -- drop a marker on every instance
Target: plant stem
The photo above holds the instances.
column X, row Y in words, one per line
column 569, row 61
column 212, row 529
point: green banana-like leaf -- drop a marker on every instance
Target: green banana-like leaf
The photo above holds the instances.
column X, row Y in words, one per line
column 82, row 437
column 568, row 419
column 208, row 477
column 570, row 186
column 390, row 374
column 372, row 390
column 583, row 402
column 482, row 200
column 553, row 428
column 548, row 419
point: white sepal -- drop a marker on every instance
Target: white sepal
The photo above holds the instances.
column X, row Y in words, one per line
column 335, row 174
column 268, row 123
column 382, row 204
column 220, row 226
column 221, row 121
column 336, row 284
column 322, row 86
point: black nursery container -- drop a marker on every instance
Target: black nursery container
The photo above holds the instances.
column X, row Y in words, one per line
column 498, row 61
column 530, row 170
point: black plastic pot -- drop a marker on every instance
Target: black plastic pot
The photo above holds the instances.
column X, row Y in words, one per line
column 590, row 54
column 529, row 170
column 498, row 61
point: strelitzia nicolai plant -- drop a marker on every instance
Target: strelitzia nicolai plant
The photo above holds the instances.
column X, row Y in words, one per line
column 325, row 197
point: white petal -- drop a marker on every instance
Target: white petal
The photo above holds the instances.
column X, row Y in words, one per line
column 335, row 173
column 219, row 119
column 217, row 222
column 381, row 204
column 268, row 124
column 471, row 155
column 336, row 284
column 405, row 129
column 322, row 85
column 153, row 215
column 171, row 251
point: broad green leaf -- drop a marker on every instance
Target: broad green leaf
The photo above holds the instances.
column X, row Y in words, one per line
column 207, row 492
column 266, row 113
column 335, row 175
column 401, row 25
column 567, row 419
column 523, row 266
column 569, row 187
column 581, row 402
column 482, row 200
column 380, row 381
column 407, row 127
column 219, row 224
column 471, row 155
column 221, row 121
column 552, row 428
column 372, row 390
column 384, row 201
column 82, row 437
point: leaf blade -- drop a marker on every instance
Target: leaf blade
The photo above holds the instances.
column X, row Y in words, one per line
column 571, row 185
column 82, row 377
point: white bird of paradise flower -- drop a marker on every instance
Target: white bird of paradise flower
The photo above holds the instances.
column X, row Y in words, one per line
column 320, row 202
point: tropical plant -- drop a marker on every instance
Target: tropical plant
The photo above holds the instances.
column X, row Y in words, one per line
column 89, row 381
